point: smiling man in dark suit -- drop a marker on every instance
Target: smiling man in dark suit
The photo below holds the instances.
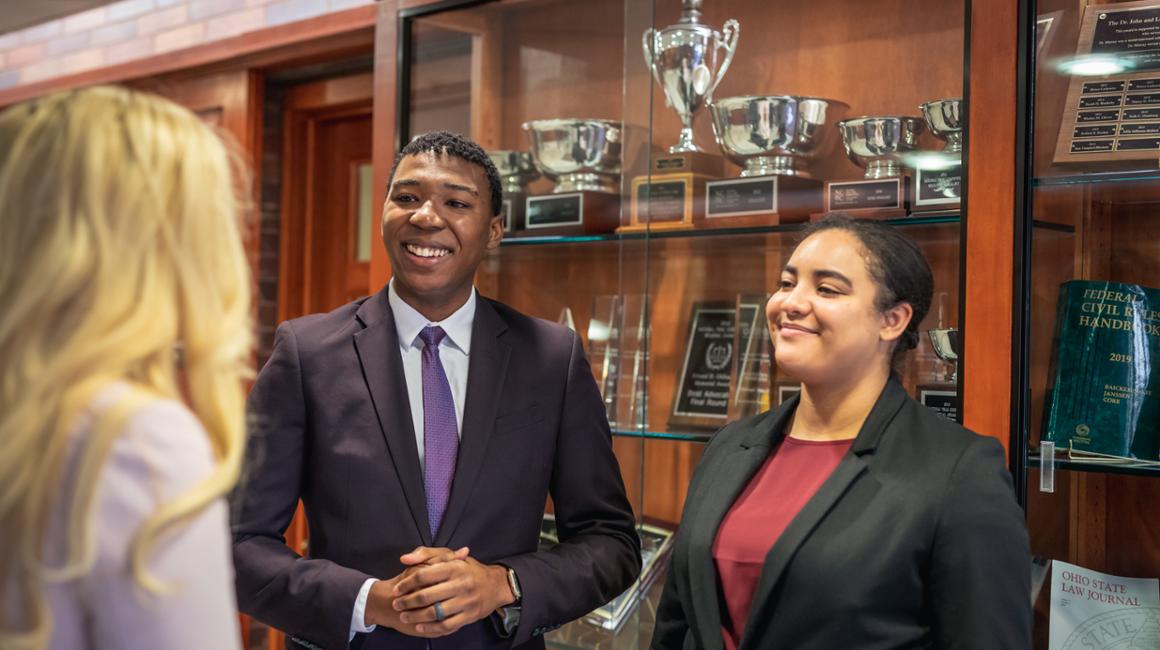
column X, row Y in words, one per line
column 423, row 419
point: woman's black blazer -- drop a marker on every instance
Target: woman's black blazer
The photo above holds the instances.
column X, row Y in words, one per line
column 915, row 541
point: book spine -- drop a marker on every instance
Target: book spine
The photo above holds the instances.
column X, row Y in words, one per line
column 1050, row 422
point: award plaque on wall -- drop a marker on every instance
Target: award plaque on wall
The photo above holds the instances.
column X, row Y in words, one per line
column 702, row 397
column 1115, row 117
column 1104, row 397
column 750, row 392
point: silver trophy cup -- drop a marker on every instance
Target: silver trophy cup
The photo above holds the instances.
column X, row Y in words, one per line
column 578, row 155
column 772, row 135
column 944, row 121
column 686, row 61
column 945, row 343
column 516, row 170
column 876, row 143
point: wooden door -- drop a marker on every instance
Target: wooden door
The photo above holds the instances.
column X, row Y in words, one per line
column 329, row 213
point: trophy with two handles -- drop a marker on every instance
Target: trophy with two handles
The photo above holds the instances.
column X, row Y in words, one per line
column 687, row 59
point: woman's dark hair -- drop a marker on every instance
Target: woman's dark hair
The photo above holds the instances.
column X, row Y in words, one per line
column 897, row 265
column 446, row 143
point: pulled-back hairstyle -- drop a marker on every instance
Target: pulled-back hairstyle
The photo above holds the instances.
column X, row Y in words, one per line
column 119, row 252
column 898, row 266
column 446, row 143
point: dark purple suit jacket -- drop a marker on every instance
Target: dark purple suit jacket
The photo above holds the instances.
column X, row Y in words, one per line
column 331, row 424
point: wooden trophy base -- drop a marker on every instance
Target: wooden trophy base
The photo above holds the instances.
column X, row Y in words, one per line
column 671, row 196
column 760, row 201
column 882, row 198
column 570, row 214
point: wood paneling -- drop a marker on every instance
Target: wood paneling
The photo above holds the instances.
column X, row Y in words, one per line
column 990, row 228
column 231, row 102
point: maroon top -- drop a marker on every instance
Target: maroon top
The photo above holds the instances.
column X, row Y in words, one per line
column 786, row 481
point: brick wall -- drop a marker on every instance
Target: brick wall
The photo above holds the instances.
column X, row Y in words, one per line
column 269, row 244
column 137, row 29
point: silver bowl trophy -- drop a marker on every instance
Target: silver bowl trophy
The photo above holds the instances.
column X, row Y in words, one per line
column 877, row 144
column 938, row 176
column 688, row 59
column 942, row 394
column 582, row 157
column 943, row 118
column 516, row 170
column 775, row 137
column 777, row 134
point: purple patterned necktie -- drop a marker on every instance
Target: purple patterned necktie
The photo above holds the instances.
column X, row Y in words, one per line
column 440, row 431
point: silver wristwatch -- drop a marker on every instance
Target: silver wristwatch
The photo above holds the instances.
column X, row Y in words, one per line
column 515, row 586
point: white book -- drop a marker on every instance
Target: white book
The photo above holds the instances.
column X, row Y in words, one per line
column 1093, row 610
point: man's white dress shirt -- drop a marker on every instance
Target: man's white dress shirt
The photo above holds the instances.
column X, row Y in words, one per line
column 454, row 353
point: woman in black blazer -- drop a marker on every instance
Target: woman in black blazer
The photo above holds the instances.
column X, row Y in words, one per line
column 850, row 516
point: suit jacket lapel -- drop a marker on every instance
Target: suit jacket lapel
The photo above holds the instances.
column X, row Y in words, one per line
column 382, row 365
column 848, row 470
column 794, row 535
column 485, row 380
column 730, row 477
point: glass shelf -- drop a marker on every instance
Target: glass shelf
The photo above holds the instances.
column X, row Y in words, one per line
column 688, row 436
column 923, row 220
column 693, row 233
column 1034, row 460
column 1053, row 226
column 1094, row 178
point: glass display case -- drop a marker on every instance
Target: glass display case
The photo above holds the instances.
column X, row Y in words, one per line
column 1087, row 408
column 660, row 159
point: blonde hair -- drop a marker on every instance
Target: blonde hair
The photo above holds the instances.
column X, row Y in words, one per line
column 119, row 252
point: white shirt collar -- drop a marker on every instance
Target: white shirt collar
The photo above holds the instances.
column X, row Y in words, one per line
column 409, row 322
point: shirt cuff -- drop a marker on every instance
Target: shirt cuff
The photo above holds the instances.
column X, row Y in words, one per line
column 506, row 620
column 358, row 617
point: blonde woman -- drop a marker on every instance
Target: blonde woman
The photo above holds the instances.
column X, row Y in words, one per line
column 124, row 340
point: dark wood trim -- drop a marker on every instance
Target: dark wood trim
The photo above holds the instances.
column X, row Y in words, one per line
column 1022, row 291
column 386, row 97
column 990, row 229
column 318, row 38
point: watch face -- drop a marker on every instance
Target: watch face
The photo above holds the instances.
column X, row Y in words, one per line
column 514, row 584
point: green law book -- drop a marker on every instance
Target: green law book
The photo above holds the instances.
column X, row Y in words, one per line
column 1103, row 396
